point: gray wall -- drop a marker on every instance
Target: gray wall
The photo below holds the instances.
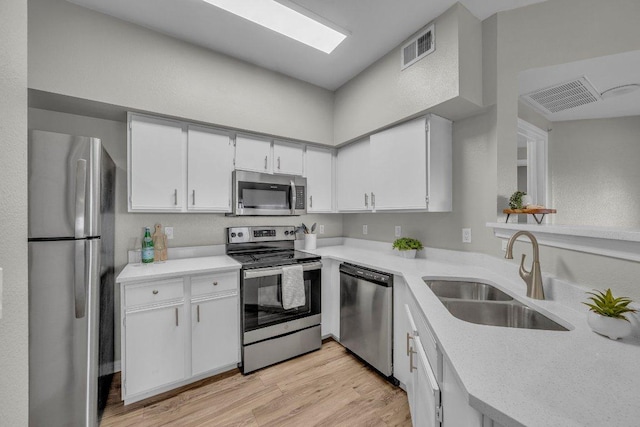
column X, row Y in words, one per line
column 14, row 379
column 189, row 229
column 85, row 54
column 383, row 94
column 594, row 172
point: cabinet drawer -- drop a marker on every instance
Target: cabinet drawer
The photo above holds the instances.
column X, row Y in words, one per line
column 213, row 283
column 153, row 292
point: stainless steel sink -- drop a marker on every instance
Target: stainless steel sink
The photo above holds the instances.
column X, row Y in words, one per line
column 512, row 314
column 467, row 290
column 484, row 304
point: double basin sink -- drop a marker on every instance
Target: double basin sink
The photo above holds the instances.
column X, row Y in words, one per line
column 484, row 304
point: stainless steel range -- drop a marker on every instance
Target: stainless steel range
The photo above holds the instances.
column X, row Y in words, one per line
column 270, row 332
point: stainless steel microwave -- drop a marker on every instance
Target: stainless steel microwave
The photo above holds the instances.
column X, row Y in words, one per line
column 263, row 194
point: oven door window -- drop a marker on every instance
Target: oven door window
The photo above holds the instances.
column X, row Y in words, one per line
column 264, row 196
column 262, row 302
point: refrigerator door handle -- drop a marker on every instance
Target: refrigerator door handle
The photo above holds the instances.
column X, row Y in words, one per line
column 79, row 281
column 81, row 191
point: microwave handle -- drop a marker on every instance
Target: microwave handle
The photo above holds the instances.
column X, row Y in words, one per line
column 293, row 198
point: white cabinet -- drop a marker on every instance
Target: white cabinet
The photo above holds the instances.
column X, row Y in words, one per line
column 209, row 167
column 155, row 163
column 155, row 348
column 330, row 325
column 253, row 154
column 413, row 166
column 456, row 402
column 168, row 341
column 215, row 333
column 287, row 158
column 319, row 172
column 353, row 180
column 426, row 408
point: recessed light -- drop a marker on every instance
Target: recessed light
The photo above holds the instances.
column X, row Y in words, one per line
column 286, row 21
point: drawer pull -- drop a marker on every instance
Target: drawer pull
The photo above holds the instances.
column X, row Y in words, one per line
column 155, row 292
column 177, row 321
column 215, row 283
column 198, row 312
column 409, row 337
column 411, row 353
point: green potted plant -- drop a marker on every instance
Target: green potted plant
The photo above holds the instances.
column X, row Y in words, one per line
column 606, row 314
column 407, row 247
column 515, row 201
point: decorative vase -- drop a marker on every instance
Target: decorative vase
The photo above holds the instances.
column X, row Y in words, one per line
column 309, row 242
column 526, row 201
column 608, row 326
column 410, row 253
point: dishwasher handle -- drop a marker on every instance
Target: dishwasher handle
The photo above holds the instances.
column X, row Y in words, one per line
column 378, row 277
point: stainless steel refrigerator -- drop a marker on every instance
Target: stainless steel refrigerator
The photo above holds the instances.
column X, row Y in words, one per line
column 71, row 279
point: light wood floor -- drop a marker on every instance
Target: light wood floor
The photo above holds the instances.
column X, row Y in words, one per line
column 328, row 387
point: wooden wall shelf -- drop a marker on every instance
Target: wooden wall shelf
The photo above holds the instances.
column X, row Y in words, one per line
column 533, row 212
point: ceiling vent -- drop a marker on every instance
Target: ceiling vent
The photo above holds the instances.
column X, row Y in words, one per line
column 418, row 47
column 563, row 96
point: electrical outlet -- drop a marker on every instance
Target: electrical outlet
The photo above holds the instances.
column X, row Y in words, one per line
column 169, row 232
column 398, row 231
column 466, row 235
column 504, row 246
column 365, row 230
column 321, row 229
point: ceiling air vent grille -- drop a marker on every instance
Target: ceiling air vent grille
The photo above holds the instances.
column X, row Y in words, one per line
column 418, row 47
column 563, row 96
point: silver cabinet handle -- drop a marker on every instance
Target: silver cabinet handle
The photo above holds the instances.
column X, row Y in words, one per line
column 198, row 312
column 265, row 161
column 366, row 200
column 194, row 197
column 411, row 353
column 310, row 201
column 175, row 197
column 155, row 292
column 215, row 283
column 278, row 162
column 409, row 337
column 373, row 201
column 177, row 321
column 294, row 197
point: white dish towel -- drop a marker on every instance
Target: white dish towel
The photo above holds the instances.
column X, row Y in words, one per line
column 292, row 287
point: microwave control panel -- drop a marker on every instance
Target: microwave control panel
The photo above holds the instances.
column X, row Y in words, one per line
column 300, row 198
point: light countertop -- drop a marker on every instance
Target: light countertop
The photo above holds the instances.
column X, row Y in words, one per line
column 176, row 267
column 521, row 376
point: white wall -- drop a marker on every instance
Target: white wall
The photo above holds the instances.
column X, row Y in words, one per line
column 78, row 52
column 14, row 357
column 189, row 229
column 383, row 95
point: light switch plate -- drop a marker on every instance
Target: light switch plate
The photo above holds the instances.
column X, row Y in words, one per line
column 466, row 235
column 321, row 229
column 365, row 229
column 398, row 231
column 504, row 246
column 169, row 232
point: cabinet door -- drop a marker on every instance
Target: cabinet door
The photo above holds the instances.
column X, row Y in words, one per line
column 156, row 164
column 440, row 167
column 253, row 154
column 406, row 365
column 454, row 398
column 399, row 159
column 353, row 178
column 154, row 349
column 330, row 299
column 287, row 158
column 209, row 166
column 426, row 392
column 402, row 331
column 319, row 167
column 215, row 333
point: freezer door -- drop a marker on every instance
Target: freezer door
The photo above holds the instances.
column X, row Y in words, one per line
column 62, row 346
column 64, row 185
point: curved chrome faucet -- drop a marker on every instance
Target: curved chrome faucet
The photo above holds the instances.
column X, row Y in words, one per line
column 532, row 278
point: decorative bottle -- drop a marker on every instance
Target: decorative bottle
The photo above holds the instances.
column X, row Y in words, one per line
column 147, row 247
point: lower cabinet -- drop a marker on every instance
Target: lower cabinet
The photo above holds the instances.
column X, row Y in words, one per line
column 330, row 299
column 171, row 337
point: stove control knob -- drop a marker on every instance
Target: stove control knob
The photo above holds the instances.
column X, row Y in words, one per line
column 240, row 234
column 233, row 235
column 286, row 233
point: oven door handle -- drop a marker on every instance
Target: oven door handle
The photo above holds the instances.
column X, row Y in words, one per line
column 263, row 272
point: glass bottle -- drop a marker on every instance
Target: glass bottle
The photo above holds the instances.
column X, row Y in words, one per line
column 147, row 247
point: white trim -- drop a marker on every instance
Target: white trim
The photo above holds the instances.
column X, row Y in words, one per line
column 537, row 163
column 607, row 241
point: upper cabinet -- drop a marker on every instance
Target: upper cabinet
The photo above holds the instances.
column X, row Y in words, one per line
column 413, row 166
column 319, row 172
column 253, row 154
column 287, row 158
column 353, row 177
column 178, row 168
column 155, row 164
column 209, row 167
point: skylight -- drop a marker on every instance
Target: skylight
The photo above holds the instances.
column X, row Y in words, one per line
column 284, row 20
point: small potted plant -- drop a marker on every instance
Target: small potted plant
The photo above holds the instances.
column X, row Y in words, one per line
column 606, row 314
column 407, row 247
column 516, row 200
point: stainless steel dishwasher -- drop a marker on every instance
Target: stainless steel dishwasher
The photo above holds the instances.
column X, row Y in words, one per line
column 366, row 316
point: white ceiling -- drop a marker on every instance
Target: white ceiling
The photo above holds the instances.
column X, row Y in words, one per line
column 376, row 27
column 604, row 73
